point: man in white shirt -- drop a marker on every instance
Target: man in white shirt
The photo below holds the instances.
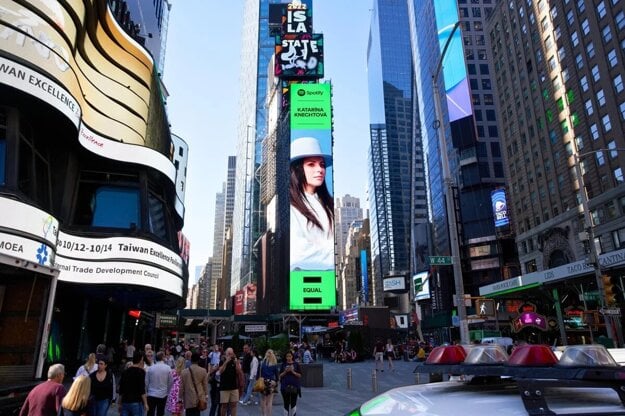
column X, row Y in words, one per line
column 214, row 356
column 158, row 381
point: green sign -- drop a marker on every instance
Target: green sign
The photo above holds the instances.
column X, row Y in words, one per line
column 312, row 289
column 440, row 260
column 311, row 107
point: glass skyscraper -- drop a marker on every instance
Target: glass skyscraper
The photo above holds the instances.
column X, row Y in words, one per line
column 257, row 47
column 394, row 155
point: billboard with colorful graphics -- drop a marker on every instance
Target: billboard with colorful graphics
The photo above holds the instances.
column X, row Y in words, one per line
column 500, row 207
column 299, row 56
column 454, row 70
column 312, row 273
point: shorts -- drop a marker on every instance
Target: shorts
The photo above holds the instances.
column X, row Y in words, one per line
column 229, row 396
column 379, row 356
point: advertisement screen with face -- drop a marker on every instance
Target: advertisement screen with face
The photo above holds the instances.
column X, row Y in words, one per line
column 312, row 270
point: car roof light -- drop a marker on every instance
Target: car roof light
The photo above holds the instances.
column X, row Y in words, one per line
column 532, row 355
column 446, row 354
column 487, row 354
column 586, row 356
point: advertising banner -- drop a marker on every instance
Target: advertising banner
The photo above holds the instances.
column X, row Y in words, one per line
column 500, row 207
column 454, row 70
column 364, row 277
column 299, row 56
column 312, row 273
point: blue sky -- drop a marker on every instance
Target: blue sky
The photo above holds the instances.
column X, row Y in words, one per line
column 202, row 67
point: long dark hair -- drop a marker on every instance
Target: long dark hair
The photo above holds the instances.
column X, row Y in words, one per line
column 298, row 199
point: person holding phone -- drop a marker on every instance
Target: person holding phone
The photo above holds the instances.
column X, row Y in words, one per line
column 290, row 374
column 229, row 390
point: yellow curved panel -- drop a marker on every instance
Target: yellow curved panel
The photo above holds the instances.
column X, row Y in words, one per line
column 105, row 67
column 122, row 57
column 127, row 42
column 114, row 90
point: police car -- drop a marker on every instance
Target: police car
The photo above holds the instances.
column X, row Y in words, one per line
column 584, row 380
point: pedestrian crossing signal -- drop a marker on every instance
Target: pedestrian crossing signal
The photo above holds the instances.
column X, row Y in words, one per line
column 609, row 290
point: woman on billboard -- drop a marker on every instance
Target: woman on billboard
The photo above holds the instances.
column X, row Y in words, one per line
column 312, row 207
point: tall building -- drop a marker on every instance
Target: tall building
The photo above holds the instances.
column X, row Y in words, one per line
column 395, row 206
column 561, row 101
column 222, row 294
column 91, row 214
column 256, row 52
column 354, row 282
column 346, row 211
column 218, row 247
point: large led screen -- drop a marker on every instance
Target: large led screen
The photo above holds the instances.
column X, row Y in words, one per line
column 312, row 275
column 454, row 71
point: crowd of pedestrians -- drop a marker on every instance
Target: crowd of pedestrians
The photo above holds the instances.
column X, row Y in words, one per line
column 179, row 379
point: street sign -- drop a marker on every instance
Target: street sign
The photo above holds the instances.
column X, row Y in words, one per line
column 256, row 328
column 610, row 311
column 440, row 260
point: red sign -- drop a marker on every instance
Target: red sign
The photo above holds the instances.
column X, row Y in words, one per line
column 238, row 303
column 135, row 314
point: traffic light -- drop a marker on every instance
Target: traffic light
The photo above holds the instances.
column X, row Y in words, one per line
column 609, row 290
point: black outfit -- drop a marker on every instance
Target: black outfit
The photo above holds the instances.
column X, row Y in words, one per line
column 228, row 379
column 132, row 385
column 102, row 390
column 214, row 395
column 290, row 380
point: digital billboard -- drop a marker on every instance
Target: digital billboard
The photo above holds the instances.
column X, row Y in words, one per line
column 500, row 207
column 312, row 273
column 454, row 70
column 299, row 56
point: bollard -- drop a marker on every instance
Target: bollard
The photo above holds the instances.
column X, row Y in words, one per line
column 349, row 379
column 374, row 381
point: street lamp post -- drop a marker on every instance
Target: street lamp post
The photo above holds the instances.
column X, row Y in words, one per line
column 449, row 198
column 588, row 228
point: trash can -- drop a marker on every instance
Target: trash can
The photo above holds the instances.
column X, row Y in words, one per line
column 312, row 375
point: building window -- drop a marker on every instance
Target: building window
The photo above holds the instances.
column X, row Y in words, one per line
column 613, row 153
column 618, row 175
column 612, row 59
column 115, row 207
column 570, row 17
column 589, row 108
column 530, row 266
column 584, row 83
column 579, row 142
column 618, row 238
column 590, row 50
column 575, row 38
column 622, row 109
column 618, row 83
column 607, row 34
column 607, row 124
column 620, row 20
column 579, row 61
column 581, row 7
column 601, row 98
column 600, row 158
column 585, row 27
column 3, row 146
column 595, row 73
column 601, row 10
column 594, row 131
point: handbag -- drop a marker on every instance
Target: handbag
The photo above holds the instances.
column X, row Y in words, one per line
column 201, row 401
column 259, row 385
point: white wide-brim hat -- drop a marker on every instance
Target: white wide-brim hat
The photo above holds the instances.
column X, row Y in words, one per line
column 303, row 147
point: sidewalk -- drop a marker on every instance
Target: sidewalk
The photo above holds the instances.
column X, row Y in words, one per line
column 334, row 398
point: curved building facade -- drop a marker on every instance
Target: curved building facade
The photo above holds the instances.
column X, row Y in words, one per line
column 91, row 184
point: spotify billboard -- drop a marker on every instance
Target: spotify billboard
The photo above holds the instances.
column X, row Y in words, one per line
column 312, row 270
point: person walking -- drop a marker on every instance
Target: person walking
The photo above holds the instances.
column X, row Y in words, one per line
column 213, row 382
column 228, row 384
column 76, row 400
column 174, row 406
column 102, row 387
column 390, row 354
column 250, row 378
column 158, row 385
column 45, row 399
column 379, row 355
column 88, row 367
column 193, row 386
column 290, row 374
column 270, row 373
column 133, row 400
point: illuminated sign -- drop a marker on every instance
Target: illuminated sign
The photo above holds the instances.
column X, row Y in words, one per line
column 421, row 283
column 312, row 276
column 454, row 71
column 392, row 284
column 299, row 56
column 364, row 276
column 500, row 207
